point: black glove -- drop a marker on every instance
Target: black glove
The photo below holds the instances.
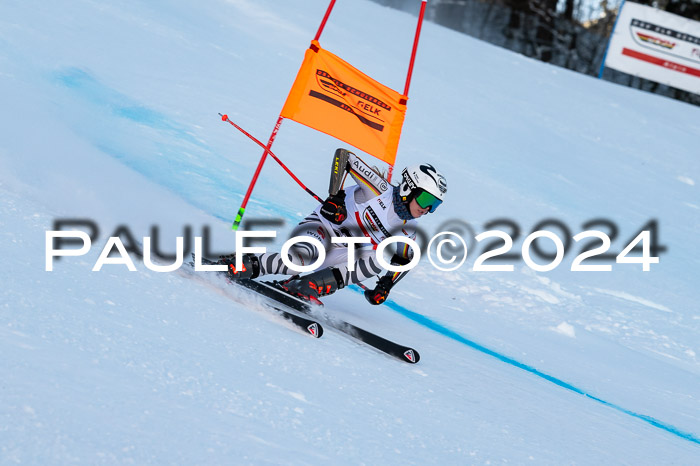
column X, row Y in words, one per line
column 380, row 292
column 333, row 208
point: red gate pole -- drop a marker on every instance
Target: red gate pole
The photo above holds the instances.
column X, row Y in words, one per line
column 241, row 210
column 272, row 154
column 410, row 64
column 325, row 18
column 415, row 47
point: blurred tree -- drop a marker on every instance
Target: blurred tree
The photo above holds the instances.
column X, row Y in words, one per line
column 687, row 8
column 569, row 10
column 569, row 33
column 542, row 12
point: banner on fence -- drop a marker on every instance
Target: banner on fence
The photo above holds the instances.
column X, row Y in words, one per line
column 656, row 45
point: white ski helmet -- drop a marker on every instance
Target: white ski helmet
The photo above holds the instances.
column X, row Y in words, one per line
column 423, row 183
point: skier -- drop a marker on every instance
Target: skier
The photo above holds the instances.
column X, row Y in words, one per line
column 372, row 208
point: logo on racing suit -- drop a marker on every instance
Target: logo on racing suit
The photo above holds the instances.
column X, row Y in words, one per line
column 369, row 222
column 365, row 171
column 377, row 224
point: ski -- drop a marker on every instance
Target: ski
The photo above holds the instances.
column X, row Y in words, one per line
column 403, row 353
column 274, row 291
column 310, row 326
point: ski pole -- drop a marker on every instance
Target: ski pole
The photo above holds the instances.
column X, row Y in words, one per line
column 267, row 150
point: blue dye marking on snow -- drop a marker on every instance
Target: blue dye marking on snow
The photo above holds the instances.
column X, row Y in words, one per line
column 143, row 139
column 142, row 115
column 441, row 329
column 89, row 88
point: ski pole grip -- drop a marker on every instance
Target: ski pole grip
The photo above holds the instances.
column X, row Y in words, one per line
column 239, row 217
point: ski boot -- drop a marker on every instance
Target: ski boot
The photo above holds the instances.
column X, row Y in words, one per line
column 320, row 283
column 250, row 266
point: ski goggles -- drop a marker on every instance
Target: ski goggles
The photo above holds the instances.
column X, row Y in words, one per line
column 426, row 200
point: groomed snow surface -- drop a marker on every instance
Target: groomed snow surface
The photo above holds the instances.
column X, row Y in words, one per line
column 109, row 113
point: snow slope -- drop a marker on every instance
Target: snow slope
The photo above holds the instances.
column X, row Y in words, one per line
column 109, row 113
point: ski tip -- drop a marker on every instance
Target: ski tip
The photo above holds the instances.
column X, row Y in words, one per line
column 411, row 356
column 315, row 329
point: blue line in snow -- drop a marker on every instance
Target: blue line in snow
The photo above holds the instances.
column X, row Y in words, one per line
column 441, row 329
column 107, row 99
